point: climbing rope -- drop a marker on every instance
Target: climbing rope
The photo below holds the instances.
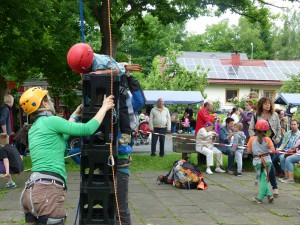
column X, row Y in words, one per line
column 112, row 113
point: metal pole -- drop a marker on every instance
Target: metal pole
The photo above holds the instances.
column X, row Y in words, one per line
column 251, row 50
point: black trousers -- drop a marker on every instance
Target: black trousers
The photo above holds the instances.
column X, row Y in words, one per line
column 161, row 140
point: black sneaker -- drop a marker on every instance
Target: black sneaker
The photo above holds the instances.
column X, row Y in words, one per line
column 153, row 154
column 238, row 174
column 257, row 200
column 270, row 198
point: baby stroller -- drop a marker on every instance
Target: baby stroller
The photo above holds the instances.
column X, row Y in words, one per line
column 142, row 135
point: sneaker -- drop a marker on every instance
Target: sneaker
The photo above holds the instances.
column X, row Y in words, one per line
column 8, row 185
column 257, row 200
column 208, row 171
column 288, row 181
column 270, row 198
column 238, row 174
column 153, row 154
column 283, row 179
column 125, row 139
column 219, row 170
column 230, row 172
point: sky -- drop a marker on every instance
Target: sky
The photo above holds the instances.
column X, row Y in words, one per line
column 197, row 26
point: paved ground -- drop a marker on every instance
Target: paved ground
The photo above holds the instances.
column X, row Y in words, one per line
column 228, row 200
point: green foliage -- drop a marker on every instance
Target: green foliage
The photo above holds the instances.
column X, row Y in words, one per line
column 167, row 74
column 216, row 104
column 241, row 103
column 292, row 85
column 142, row 47
column 222, row 37
column 286, row 40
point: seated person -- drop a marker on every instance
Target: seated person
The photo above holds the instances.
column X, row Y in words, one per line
column 287, row 164
column 10, row 160
column 205, row 146
column 288, row 142
column 238, row 146
column 226, row 134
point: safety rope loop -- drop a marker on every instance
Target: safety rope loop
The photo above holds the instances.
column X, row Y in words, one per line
column 111, row 161
column 112, row 110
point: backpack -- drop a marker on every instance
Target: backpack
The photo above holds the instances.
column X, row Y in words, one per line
column 184, row 175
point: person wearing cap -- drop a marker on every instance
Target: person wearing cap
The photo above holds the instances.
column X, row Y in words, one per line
column 44, row 194
column 205, row 146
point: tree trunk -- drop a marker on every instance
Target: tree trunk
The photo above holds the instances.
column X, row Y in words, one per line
column 101, row 15
column 3, row 89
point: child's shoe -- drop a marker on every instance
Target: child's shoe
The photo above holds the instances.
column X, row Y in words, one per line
column 270, row 198
column 257, row 200
column 125, row 139
column 238, row 174
column 8, row 185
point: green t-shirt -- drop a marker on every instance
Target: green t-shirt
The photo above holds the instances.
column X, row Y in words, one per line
column 47, row 142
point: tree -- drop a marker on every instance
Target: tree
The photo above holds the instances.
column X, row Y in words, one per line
column 160, row 38
column 34, row 41
column 260, row 37
column 292, row 85
column 287, row 39
column 167, row 74
column 167, row 12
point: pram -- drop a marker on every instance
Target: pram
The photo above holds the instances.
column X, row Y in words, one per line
column 142, row 135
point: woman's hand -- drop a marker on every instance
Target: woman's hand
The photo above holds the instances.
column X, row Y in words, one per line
column 108, row 103
column 78, row 111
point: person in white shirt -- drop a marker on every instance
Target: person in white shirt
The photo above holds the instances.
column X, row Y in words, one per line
column 159, row 122
column 205, row 146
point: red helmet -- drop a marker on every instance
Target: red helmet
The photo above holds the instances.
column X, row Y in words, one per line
column 262, row 125
column 80, row 57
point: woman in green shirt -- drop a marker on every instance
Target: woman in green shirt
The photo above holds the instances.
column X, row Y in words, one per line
column 44, row 194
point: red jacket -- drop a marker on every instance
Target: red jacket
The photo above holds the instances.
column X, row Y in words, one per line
column 202, row 118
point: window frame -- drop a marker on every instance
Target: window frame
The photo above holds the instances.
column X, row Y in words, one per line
column 226, row 98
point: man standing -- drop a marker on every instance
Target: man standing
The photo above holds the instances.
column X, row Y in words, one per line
column 160, row 122
column 5, row 114
column 204, row 116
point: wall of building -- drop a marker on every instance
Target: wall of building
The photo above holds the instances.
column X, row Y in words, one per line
column 218, row 92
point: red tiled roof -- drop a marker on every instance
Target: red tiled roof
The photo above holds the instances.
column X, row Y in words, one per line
column 239, row 81
column 245, row 62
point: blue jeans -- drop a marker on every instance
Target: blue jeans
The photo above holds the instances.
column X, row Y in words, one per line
column 287, row 164
column 226, row 150
column 275, row 160
column 173, row 127
column 272, row 177
column 161, row 141
column 239, row 159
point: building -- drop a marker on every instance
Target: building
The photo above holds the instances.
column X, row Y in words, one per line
column 235, row 76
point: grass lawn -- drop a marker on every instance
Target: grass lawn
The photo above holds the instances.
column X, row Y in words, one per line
column 145, row 162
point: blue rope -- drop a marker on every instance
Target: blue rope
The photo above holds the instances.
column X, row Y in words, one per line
column 81, row 21
column 77, row 211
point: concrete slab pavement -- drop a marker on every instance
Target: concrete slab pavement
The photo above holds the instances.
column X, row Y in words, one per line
column 228, row 200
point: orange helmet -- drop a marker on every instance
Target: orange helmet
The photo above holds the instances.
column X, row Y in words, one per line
column 80, row 57
column 31, row 99
column 262, row 125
